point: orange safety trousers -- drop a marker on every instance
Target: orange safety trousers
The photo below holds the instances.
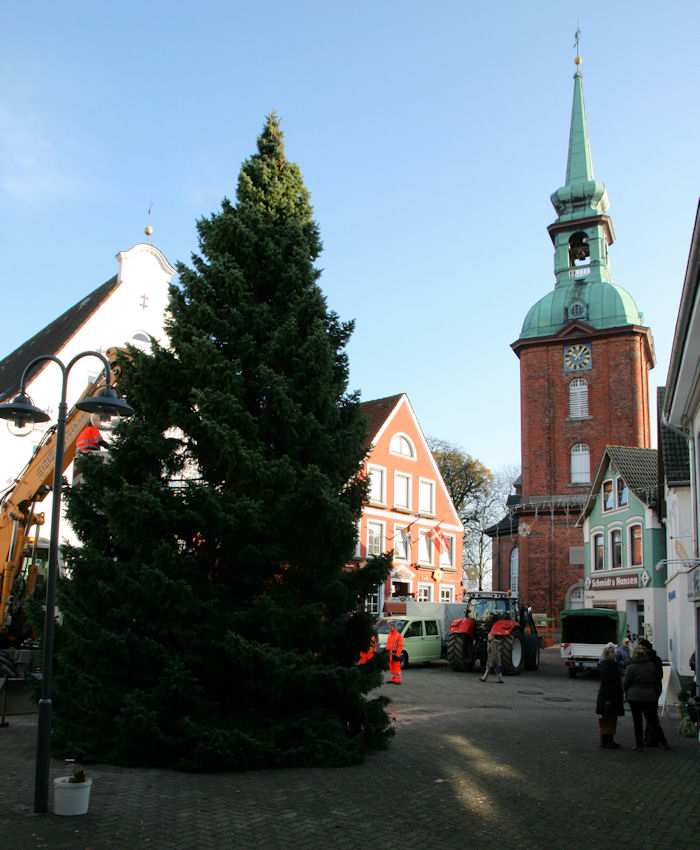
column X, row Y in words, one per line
column 394, row 646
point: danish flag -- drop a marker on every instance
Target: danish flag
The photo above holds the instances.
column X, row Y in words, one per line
column 438, row 538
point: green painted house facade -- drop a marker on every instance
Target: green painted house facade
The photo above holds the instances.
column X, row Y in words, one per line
column 624, row 541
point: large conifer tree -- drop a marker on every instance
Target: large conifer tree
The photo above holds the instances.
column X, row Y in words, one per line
column 208, row 621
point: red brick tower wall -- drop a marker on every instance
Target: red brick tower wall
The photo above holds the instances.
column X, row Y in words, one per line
column 618, row 406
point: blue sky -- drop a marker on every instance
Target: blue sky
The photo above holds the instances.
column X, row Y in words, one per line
column 430, row 136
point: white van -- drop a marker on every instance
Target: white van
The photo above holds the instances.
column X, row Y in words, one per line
column 422, row 638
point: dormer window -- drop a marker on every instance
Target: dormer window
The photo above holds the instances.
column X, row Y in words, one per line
column 402, row 445
column 577, row 310
column 623, row 494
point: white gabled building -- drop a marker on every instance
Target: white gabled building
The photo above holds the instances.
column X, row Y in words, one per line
column 681, row 413
column 128, row 308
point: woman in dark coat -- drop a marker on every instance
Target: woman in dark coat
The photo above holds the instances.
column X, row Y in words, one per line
column 610, row 702
column 641, row 690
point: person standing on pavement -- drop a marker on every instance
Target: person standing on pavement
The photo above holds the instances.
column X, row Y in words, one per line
column 623, row 653
column 394, row 646
column 493, row 658
column 610, row 702
column 640, row 686
column 649, row 737
column 368, row 654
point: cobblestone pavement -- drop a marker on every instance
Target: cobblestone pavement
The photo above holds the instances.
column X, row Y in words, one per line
column 509, row 766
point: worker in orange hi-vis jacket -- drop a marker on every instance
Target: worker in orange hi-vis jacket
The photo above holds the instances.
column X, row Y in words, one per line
column 371, row 651
column 394, row 646
column 90, row 440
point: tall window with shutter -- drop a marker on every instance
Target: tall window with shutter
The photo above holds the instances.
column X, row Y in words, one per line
column 580, row 464
column 578, row 399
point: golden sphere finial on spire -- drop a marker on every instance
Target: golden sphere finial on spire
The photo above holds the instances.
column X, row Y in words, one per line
column 148, row 230
column 577, row 60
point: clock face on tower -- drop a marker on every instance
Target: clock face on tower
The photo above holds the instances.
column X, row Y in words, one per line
column 577, row 357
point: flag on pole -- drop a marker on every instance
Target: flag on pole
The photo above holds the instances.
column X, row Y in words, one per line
column 438, row 538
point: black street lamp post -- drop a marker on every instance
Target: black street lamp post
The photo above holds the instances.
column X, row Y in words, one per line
column 22, row 411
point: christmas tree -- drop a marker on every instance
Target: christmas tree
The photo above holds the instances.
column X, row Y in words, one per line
column 209, row 622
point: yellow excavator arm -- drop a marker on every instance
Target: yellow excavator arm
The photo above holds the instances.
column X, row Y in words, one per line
column 17, row 506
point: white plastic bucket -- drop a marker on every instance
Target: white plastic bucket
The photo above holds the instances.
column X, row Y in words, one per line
column 71, row 798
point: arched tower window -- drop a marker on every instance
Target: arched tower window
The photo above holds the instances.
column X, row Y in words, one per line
column 578, row 398
column 140, row 340
column 580, row 464
column 579, row 249
column 514, row 570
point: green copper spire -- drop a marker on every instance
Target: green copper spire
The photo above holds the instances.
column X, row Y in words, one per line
column 584, row 289
column 579, row 165
column 581, row 195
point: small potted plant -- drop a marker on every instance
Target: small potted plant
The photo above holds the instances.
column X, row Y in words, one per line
column 71, row 794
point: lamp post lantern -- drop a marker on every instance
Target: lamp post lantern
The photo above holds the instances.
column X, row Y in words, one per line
column 21, row 410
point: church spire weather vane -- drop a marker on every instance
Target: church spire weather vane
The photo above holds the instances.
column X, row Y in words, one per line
column 577, row 43
column 148, row 229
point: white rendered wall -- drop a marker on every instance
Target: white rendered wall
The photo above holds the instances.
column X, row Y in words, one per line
column 681, row 609
column 137, row 304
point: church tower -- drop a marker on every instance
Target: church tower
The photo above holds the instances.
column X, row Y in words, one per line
column 584, row 357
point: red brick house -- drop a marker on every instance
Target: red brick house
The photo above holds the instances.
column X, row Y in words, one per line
column 409, row 509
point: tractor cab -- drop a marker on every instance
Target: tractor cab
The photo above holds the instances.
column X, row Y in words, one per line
column 485, row 608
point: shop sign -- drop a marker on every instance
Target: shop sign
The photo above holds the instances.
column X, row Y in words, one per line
column 612, row 582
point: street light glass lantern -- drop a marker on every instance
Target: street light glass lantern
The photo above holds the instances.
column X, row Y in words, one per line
column 105, row 404
column 22, row 411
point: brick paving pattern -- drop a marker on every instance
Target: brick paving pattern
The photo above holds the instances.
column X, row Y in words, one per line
column 488, row 765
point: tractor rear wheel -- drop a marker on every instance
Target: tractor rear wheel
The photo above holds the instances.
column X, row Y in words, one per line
column 532, row 652
column 460, row 653
column 512, row 655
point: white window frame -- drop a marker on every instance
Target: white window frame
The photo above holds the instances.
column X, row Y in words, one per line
column 611, row 548
column 640, row 525
column 578, row 399
column 421, row 482
column 575, row 478
column 448, row 563
column 382, row 539
column 423, row 586
column 397, row 531
column 358, row 543
column 424, row 534
column 409, row 478
column 377, row 592
column 611, row 482
column 371, row 467
column 412, row 446
column 619, row 504
column 597, row 532
column 450, row 588
column 514, row 573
